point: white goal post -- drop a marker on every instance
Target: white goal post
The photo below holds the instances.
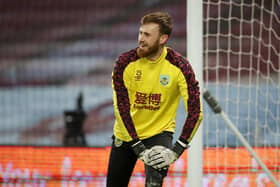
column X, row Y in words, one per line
column 195, row 56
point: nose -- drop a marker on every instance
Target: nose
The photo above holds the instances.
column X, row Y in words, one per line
column 140, row 37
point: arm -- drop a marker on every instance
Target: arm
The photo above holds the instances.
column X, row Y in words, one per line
column 122, row 97
column 189, row 90
column 162, row 157
column 123, row 103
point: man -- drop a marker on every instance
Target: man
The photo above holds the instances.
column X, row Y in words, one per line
column 148, row 82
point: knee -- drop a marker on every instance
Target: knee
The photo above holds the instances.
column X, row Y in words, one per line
column 154, row 178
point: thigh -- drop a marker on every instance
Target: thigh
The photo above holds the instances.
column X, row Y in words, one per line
column 164, row 139
column 121, row 163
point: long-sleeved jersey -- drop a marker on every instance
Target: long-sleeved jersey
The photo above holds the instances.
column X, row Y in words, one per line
column 146, row 95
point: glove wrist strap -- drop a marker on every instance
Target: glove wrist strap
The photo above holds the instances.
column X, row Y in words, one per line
column 179, row 148
column 138, row 147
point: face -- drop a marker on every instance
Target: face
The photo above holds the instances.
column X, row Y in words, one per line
column 150, row 40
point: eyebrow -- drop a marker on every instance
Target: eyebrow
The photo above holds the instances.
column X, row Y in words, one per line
column 144, row 32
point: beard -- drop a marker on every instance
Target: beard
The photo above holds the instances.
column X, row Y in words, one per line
column 148, row 50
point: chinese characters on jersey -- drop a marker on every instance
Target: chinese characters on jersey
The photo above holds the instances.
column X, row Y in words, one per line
column 148, row 101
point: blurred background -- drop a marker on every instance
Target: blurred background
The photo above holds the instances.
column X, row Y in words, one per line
column 56, row 113
column 52, row 51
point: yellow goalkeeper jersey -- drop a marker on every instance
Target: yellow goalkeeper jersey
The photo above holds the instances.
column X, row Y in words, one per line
column 146, row 95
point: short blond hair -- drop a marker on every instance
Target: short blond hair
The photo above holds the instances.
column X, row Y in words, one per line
column 163, row 19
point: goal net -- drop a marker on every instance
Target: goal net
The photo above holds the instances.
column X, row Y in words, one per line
column 241, row 70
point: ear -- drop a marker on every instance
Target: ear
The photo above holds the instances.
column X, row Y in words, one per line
column 163, row 39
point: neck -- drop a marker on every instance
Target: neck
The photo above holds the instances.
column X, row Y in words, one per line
column 155, row 55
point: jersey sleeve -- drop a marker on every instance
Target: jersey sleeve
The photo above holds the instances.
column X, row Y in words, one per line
column 122, row 97
column 189, row 90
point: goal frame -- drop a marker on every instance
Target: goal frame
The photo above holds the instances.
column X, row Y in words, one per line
column 195, row 56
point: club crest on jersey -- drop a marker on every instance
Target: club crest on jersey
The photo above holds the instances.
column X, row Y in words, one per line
column 164, row 79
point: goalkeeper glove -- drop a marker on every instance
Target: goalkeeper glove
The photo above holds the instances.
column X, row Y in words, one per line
column 161, row 157
column 141, row 151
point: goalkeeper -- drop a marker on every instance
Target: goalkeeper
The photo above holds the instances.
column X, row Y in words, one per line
column 148, row 82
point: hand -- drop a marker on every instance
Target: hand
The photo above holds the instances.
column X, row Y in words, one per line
column 141, row 151
column 161, row 157
column 145, row 156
